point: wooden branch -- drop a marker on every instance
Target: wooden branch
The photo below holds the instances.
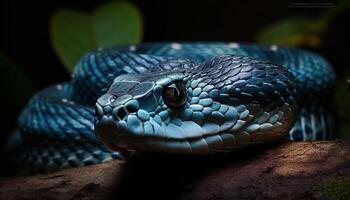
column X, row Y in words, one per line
column 317, row 170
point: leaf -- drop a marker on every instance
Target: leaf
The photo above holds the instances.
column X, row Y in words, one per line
column 342, row 99
column 117, row 23
column 73, row 33
column 300, row 30
column 16, row 89
column 71, row 38
column 336, row 187
column 339, row 8
column 294, row 31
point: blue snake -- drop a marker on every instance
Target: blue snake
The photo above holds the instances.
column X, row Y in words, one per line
column 183, row 98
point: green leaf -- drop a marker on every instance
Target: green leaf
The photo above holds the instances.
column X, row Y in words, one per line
column 117, row 23
column 16, row 89
column 339, row 8
column 301, row 30
column 73, row 33
column 333, row 188
column 342, row 99
column 294, row 31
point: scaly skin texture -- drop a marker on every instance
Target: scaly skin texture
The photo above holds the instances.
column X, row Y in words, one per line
column 227, row 95
column 231, row 101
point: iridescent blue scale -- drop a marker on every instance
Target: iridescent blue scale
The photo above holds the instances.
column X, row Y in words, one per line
column 237, row 94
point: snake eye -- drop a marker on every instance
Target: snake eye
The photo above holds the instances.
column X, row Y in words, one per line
column 175, row 95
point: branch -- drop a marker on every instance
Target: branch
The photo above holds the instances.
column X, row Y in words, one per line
column 317, row 170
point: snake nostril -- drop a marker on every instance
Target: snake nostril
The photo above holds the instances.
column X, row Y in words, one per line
column 107, row 110
column 132, row 106
column 120, row 112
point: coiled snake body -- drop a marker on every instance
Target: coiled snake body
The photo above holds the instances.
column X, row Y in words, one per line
column 189, row 98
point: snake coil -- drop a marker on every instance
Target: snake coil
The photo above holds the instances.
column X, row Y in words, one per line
column 189, row 98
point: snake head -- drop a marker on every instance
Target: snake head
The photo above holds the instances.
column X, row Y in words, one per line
column 217, row 105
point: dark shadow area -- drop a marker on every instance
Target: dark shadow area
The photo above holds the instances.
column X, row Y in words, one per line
column 167, row 176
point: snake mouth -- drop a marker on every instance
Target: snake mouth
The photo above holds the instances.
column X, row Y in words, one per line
column 132, row 131
column 116, row 136
column 153, row 133
column 205, row 144
column 201, row 145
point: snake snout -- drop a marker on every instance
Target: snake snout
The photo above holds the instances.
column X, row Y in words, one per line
column 120, row 112
column 114, row 118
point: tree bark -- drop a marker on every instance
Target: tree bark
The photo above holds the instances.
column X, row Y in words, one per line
column 294, row 170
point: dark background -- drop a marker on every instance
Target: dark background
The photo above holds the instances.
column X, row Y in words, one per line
column 25, row 38
column 26, row 41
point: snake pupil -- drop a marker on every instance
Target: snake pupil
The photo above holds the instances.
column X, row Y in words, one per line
column 175, row 95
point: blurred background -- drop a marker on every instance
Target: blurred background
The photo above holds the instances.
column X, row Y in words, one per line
column 41, row 40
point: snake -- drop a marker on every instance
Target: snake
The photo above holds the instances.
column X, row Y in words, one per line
column 177, row 98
